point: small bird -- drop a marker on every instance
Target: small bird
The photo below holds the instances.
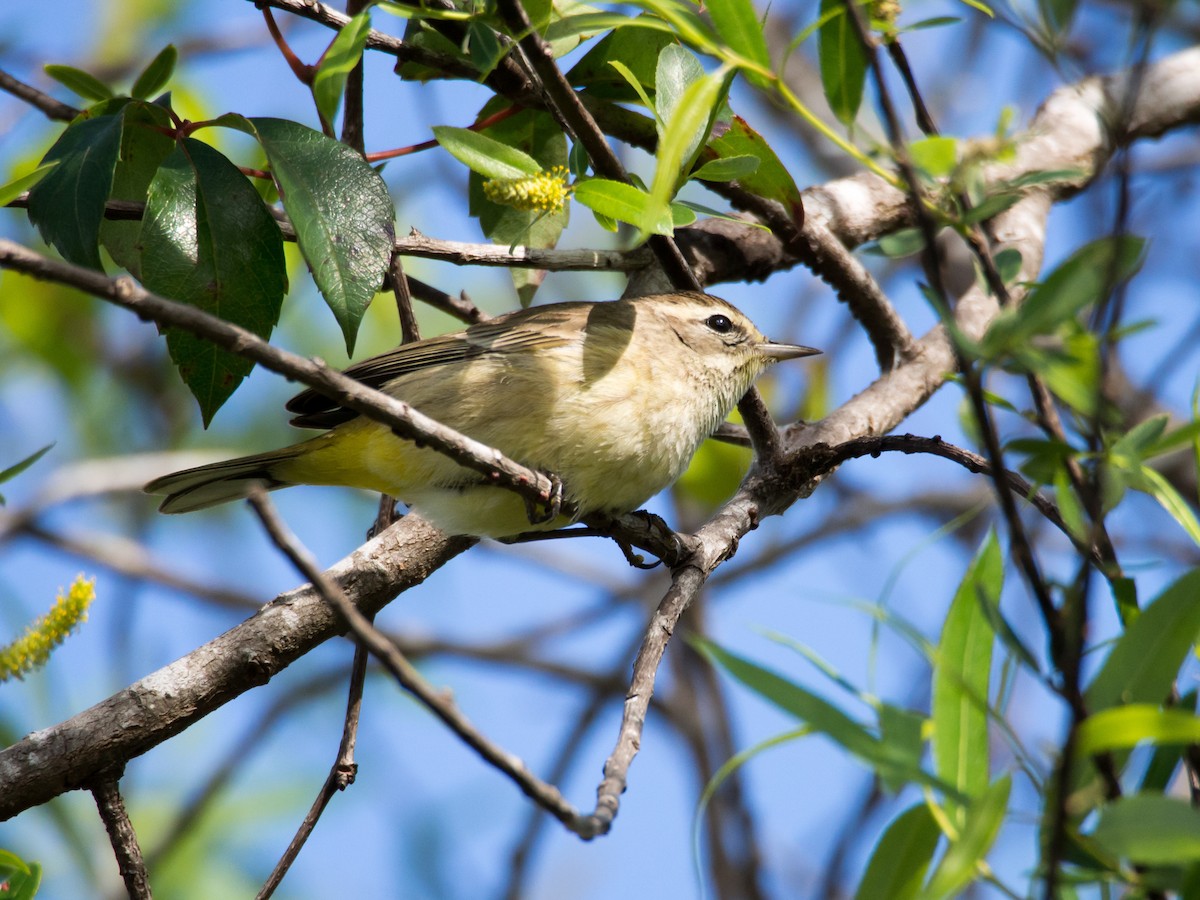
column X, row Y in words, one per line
column 614, row 398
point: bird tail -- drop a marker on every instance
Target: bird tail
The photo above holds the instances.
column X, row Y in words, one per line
column 220, row 482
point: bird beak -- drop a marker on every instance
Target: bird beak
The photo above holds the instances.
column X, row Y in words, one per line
column 774, row 351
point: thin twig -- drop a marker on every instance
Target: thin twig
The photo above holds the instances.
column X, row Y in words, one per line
column 51, row 108
column 122, row 837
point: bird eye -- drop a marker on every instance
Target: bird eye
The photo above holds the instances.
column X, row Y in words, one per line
column 720, row 324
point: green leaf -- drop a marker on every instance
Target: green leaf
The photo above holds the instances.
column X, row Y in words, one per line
column 889, row 762
column 17, row 468
column 67, row 205
column 1008, row 264
column 143, row 148
column 209, row 241
column 983, row 820
column 342, row 213
column 487, row 156
column 632, row 44
column 1150, row 829
column 904, row 242
column 483, row 47
column 23, row 885
column 737, row 24
column 843, row 63
column 1085, row 278
column 731, row 168
column 625, row 203
column 935, row 156
column 898, row 864
column 18, row 186
column 1124, row 727
column 771, row 180
column 1144, row 661
column 676, row 71
column 961, row 675
column 1151, row 481
column 686, row 131
column 633, row 82
column 537, row 133
column 87, row 86
column 156, row 75
column 339, row 60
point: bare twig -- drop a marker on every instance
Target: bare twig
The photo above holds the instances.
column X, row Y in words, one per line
column 122, row 837
column 53, row 109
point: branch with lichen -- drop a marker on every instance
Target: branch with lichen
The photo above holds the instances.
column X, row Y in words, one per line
column 32, row 650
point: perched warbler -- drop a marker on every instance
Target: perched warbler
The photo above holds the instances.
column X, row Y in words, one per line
column 613, row 398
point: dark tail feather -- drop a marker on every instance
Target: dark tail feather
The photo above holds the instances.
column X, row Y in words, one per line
column 216, row 483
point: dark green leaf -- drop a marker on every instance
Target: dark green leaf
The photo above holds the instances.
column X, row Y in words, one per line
column 1150, row 829
column 209, row 241
column 634, row 47
column 483, row 46
column 1143, row 663
column 143, row 148
column 156, row 75
column 1008, row 264
column 67, row 205
column 961, row 675
column 342, row 213
column 771, row 180
column 342, row 56
column 990, row 206
column 898, row 864
column 935, row 22
column 82, row 83
column 843, row 63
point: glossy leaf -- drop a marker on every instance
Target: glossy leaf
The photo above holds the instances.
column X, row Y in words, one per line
column 676, row 71
column 485, row 155
column 339, row 60
column 1150, row 829
column 771, row 180
column 342, row 213
column 86, row 85
column 961, row 675
column 901, row 858
column 843, row 62
column 685, row 132
column 625, row 203
column 67, row 205
column 156, row 75
column 209, row 241
column 983, row 820
column 1143, row 663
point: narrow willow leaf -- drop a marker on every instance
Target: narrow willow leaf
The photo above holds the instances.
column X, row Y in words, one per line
column 67, row 205
column 730, row 168
column 1124, row 727
column 843, row 62
column 901, row 858
column 487, row 156
column 685, row 132
column 156, row 75
column 960, row 864
column 342, row 212
column 961, row 675
column 211, row 242
column 342, row 56
column 625, row 203
column 86, row 85
column 17, row 468
column 1143, row 663
column 1150, row 829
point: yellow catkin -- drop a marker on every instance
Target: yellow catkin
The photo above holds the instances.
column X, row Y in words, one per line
column 544, row 192
column 33, row 649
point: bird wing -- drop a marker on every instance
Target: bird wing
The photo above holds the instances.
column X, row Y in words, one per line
column 518, row 332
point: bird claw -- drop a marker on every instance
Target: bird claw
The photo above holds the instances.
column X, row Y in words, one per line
column 548, row 509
